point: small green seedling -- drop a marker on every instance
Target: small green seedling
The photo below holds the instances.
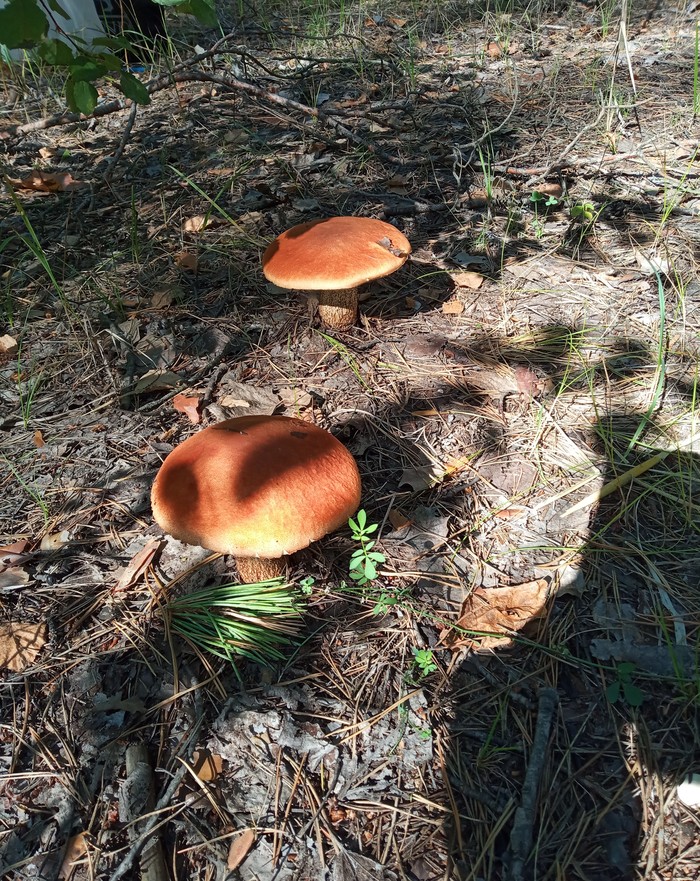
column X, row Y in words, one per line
column 623, row 687
column 363, row 562
column 583, row 212
column 424, row 660
column 306, row 585
column 538, row 198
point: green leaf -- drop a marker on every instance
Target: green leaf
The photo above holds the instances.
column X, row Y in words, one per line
column 353, row 526
column 355, row 563
column 87, row 71
column 57, row 8
column 369, row 545
column 115, row 42
column 134, row 88
column 55, row 52
column 612, row 692
column 370, row 529
column 84, row 96
column 201, row 9
column 624, row 669
column 361, row 518
column 633, row 695
column 22, row 24
column 377, row 557
column 370, row 570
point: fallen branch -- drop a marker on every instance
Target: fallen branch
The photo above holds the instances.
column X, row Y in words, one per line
column 524, row 821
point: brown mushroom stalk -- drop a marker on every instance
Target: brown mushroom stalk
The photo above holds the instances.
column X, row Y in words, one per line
column 259, row 488
column 332, row 258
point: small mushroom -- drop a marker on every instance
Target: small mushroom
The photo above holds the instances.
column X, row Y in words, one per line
column 257, row 487
column 332, row 258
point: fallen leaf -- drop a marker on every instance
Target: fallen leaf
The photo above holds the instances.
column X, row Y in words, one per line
column 512, row 512
column 55, row 541
column 207, row 765
column 467, row 279
column 247, row 400
column 157, row 381
column 453, row 307
column 20, row 644
column 138, row 565
column 187, row 261
column 47, row 182
column 75, row 849
column 493, row 50
column 292, row 397
column 498, row 610
column 398, row 519
column 164, row 296
column 550, row 189
column 39, row 439
column 12, row 578
column 189, row 406
column 12, row 554
column 651, row 264
column 421, row 478
column 239, row 848
column 8, row 345
column 196, row 223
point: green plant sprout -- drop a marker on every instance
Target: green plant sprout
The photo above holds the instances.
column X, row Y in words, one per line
column 583, row 212
column 623, row 687
column 424, row 660
column 363, row 562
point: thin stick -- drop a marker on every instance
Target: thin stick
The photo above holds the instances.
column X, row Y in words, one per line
column 524, row 820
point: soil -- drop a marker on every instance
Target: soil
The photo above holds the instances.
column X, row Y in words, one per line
column 520, row 399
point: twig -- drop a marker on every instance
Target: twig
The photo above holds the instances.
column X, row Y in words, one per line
column 121, row 146
column 524, row 820
column 139, row 800
column 559, row 161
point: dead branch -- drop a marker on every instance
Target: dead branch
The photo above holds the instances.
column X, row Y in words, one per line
column 521, row 833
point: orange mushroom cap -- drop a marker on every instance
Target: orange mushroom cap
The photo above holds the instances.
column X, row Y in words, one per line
column 335, row 254
column 256, row 486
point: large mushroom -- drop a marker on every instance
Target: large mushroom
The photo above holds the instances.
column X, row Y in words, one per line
column 257, row 487
column 332, row 258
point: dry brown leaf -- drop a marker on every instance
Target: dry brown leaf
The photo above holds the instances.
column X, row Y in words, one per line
column 453, row 307
column 550, row 189
column 513, row 512
column 157, row 381
column 187, row 261
column 421, row 478
column 398, row 519
column 39, row 439
column 47, row 182
column 189, row 405
column 239, row 848
column 207, row 765
column 467, row 279
column 493, row 50
column 55, row 541
column 12, row 578
column 498, row 610
column 138, row 565
column 196, row 223
column 75, row 849
column 8, row 345
column 12, row 554
column 20, row 644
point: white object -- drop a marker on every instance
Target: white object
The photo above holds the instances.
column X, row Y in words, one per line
column 689, row 791
column 81, row 26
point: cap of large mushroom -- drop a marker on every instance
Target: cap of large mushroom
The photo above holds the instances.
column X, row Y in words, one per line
column 333, row 257
column 256, row 487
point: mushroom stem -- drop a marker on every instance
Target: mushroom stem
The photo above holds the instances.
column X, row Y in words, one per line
column 254, row 569
column 338, row 309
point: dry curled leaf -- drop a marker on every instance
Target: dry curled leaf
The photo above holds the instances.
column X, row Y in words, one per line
column 138, row 565
column 467, row 279
column 239, row 849
column 47, row 182
column 187, row 261
column 13, row 554
column 8, row 345
column 207, row 765
column 398, row 519
column 189, row 405
column 75, row 850
column 498, row 610
column 453, row 307
column 13, row 578
column 196, row 223
column 55, row 541
column 39, row 439
column 20, row 644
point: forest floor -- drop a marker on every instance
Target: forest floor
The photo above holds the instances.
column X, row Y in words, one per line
column 520, row 398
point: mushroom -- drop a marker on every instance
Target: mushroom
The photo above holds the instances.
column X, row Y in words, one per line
column 257, row 487
column 333, row 257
